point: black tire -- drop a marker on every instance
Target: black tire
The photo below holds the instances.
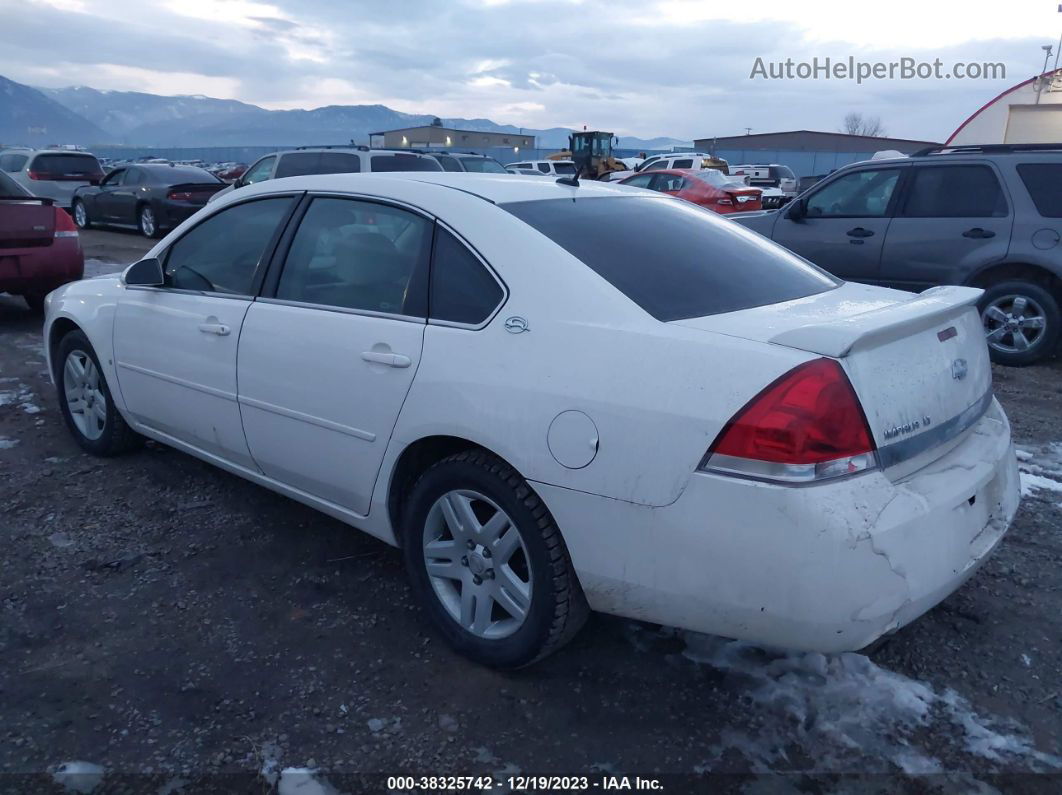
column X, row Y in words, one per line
column 1044, row 343
column 116, row 436
column 82, row 220
column 558, row 608
column 142, row 214
column 35, row 302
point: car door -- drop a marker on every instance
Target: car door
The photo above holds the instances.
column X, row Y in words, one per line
column 175, row 346
column 104, row 206
column 125, row 196
column 952, row 220
column 329, row 351
column 844, row 223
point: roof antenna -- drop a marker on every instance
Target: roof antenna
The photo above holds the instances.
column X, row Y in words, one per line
column 573, row 180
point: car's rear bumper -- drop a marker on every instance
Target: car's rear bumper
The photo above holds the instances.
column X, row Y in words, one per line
column 173, row 213
column 827, row 568
column 36, row 271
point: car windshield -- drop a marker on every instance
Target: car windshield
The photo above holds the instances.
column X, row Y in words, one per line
column 483, row 165
column 672, row 258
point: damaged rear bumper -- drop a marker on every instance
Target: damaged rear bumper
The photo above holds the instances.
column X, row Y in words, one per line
column 829, row 568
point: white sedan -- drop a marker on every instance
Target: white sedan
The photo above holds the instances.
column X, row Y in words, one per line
column 558, row 398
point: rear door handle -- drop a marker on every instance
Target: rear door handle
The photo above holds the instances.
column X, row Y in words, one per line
column 215, row 328
column 860, row 232
column 390, row 359
column 978, row 232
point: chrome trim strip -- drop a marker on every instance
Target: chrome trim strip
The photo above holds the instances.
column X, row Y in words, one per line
column 344, row 310
column 896, row 453
column 207, row 390
column 320, row 422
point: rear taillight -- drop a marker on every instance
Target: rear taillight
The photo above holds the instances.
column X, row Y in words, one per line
column 37, row 175
column 179, row 195
column 806, row 426
column 64, row 224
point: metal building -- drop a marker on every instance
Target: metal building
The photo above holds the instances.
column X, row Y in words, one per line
column 434, row 136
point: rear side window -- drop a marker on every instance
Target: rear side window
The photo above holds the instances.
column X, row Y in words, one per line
column 683, row 164
column 543, row 167
column 954, row 192
column 297, row 164
column 8, row 187
column 63, row 166
column 448, row 163
column 220, row 254
column 462, row 291
column 672, row 258
column 12, row 163
column 259, row 171
column 1044, row 183
column 404, row 163
column 564, row 168
column 483, row 165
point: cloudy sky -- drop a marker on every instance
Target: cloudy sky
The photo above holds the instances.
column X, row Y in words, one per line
column 642, row 67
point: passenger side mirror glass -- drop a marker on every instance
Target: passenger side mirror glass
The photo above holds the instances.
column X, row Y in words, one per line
column 146, row 273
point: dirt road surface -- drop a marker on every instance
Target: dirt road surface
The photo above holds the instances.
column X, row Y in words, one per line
column 167, row 627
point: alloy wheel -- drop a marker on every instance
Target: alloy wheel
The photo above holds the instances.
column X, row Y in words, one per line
column 477, row 564
column 80, row 215
column 1013, row 323
column 84, row 394
column 147, row 222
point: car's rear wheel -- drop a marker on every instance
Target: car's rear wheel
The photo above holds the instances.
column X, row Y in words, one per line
column 85, row 400
column 488, row 562
column 148, row 223
column 81, row 216
column 1022, row 322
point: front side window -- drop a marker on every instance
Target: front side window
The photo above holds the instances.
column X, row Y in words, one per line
column 462, row 291
column 672, row 258
column 640, row 181
column 359, row 255
column 448, row 163
column 668, row 183
column 1042, row 180
column 861, row 194
column 221, row 253
column 133, row 176
column 543, row 167
column 260, row 171
column 113, row 179
column 954, row 192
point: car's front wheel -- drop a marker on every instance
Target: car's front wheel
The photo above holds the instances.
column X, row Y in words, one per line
column 85, row 400
column 488, row 562
column 1022, row 322
column 148, row 223
column 81, row 216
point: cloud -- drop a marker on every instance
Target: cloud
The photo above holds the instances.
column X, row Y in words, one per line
column 646, row 68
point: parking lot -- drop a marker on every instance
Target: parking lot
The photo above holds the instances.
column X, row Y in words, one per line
column 164, row 619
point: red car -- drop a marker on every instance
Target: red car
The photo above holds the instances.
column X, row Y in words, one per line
column 708, row 187
column 39, row 245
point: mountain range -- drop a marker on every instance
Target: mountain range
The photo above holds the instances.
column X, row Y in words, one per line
column 87, row 116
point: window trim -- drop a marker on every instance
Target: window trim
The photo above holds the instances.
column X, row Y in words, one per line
column 908, row 192
column 267, row 292
column 482, row 261
column 898, row 192
column 258, row 277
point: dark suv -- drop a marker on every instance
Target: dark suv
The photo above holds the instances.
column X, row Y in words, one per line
column 987, row 216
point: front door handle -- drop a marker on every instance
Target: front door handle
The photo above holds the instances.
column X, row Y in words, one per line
column 860, row 232
column 978, row 232
column 390, row 359
column 215, row 328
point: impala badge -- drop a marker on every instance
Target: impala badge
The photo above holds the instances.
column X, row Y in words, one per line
column 958, row 369
column 516, row 325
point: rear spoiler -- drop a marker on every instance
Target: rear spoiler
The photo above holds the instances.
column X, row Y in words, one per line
column 837, row 338
column 42, row 200
column 197, row 186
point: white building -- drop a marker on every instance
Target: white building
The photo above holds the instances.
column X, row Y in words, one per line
column 1028, row 113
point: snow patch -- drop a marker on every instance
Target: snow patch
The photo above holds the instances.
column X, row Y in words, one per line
column 80, row 777
column 7, row 444
column 1040, row 468
column 303, row 781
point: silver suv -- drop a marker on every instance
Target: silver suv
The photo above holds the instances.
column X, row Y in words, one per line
column 51, row 173
column 330, row 160
column 986, row 216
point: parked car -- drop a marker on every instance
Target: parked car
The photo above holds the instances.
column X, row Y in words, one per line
column 771, row 175
column 556, row 398
column 229, row 172
column 51, row 173
column 989, row 217
column 39, row 245
column 559, row 168
column 148, row 197
column 680, row 160
column 707, row 187
column 466, row 161
column 331, row 160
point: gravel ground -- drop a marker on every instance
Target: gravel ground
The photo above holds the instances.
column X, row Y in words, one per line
column 184, row 630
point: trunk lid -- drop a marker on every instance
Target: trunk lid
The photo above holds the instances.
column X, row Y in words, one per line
column 26, row 222
column 918, row 363
column 193, row 192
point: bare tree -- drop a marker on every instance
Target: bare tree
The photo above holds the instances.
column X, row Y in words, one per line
column 857, row 124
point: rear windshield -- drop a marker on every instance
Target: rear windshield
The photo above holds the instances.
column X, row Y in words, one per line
column 67, row 165
column 1042, row 180
column 297, row 164
column 483, row 165
column 672, row 258
column 9, row 188
column 178, row 175
column 404, row 163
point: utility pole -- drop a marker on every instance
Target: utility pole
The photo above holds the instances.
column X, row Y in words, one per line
column 1048, row 49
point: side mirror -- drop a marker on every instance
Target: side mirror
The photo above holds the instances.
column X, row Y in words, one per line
column 95, row 181
column 146, row 273
column 797, row 211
